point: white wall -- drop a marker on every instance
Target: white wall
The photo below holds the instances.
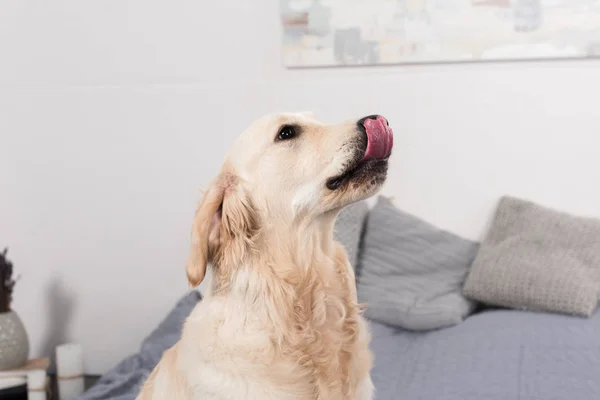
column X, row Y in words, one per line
column 114, row 113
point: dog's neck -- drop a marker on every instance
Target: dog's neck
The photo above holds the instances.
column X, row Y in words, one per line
column 287, row 254
column 300, row 242
column 297, row 288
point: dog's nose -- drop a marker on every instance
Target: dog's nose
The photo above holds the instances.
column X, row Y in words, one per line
column 361, row 122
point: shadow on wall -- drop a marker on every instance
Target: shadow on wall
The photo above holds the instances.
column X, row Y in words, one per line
column 59, row 308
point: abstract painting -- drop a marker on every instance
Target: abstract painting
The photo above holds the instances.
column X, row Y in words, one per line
column 372, row 32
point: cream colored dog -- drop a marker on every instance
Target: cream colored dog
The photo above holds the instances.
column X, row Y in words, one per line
column 281, row 319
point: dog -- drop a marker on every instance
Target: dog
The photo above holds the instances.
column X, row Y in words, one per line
column 280, row 319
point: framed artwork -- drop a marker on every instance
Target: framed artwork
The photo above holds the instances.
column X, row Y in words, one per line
column 320, row 33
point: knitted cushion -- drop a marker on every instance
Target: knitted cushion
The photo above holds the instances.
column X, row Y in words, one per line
column 538, row 259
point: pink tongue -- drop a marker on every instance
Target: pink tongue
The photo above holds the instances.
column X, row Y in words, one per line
column 381, row 138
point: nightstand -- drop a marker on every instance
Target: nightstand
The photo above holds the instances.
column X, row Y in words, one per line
column 20, row 392
column 90, row 380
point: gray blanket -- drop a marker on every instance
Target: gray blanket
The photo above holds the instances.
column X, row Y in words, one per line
column 494, row 355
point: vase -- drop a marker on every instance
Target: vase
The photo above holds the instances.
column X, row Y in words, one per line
column 14, row 345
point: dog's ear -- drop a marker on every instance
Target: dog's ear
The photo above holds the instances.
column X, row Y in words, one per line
column 204, row 229
column 224, row 228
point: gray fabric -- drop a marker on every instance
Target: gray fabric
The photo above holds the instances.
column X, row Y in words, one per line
column 348, row 228
column 124, row 381
column 539, row 259
column 495, row 355
column 411, row 273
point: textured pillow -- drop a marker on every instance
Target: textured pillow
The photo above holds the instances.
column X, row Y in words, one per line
column 411, row 272
column 538, row 259
column 348, row 228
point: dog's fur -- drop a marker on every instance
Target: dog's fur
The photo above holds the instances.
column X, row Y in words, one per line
column 281, row 319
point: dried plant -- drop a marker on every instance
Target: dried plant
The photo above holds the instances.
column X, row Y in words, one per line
column 6, row 282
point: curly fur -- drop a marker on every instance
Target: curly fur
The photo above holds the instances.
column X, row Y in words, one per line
column 281, row 319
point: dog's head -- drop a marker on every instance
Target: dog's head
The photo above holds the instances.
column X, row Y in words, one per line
column 286, row 169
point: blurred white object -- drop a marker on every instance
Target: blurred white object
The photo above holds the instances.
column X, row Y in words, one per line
column 69, row 371
column 6, row 383
column 36, row 385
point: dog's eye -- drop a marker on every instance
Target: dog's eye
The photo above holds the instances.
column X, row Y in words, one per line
column 287, row 132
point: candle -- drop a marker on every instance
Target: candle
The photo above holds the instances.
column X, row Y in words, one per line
column 36, row 385
column 69, row 371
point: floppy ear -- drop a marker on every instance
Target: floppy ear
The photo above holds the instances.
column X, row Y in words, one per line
column 205, row 221
column 224, row 227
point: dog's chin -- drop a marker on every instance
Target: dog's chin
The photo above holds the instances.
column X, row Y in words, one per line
column 364, row 178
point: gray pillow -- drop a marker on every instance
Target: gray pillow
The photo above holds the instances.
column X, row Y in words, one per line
column 411, row 272
column 538, row 259
column 348, row 228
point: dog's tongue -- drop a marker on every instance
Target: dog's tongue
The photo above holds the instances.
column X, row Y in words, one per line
column 380, row 138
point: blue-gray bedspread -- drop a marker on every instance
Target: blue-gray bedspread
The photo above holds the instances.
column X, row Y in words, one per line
column 493, row 355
